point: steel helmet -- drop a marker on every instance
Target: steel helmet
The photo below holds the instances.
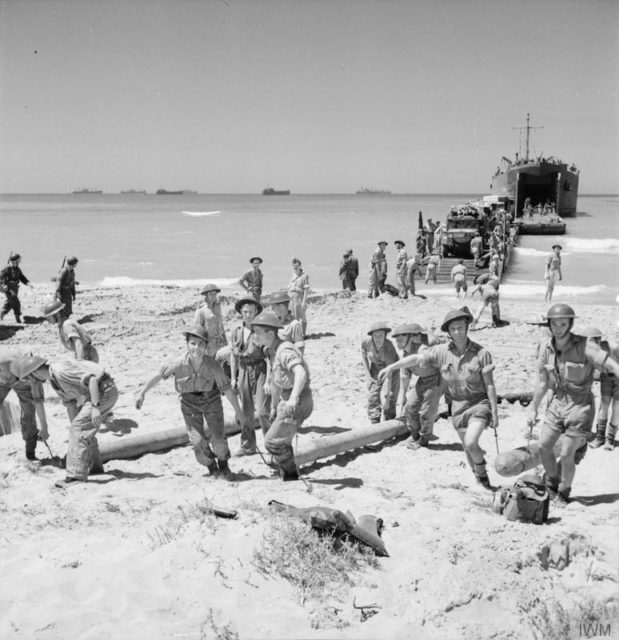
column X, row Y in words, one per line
column 14, row 256
column 408, row 329
column 266, row 319
column 72, row 260
column 197, row 331
column 456, row 314
column 560, row 310
column 52, row 308
column 279, row 297
column 25, row 365
column 378, row 326
column 209, row 287
column 247, row 300
column 591, row 332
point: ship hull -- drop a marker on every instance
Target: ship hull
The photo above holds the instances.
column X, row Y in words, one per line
column 541, row 182
column 275, row 192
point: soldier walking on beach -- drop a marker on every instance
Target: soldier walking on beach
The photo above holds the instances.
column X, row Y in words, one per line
column 553, row 274
column 291, row 396
column 378, row 270
column 88, row 393
column 200, row 383
column 10, row 278
column 378, row 352
column 476, row 247
column 609, row 395
column 349, row 271
column 401, row 269
column 249, row 368
column 458, row 277
column 420, row 402
column 208, row 315
column 73, row 336
column 65, row 286
column 466, row 368
column 412, row 267
column 292, row 330
column 430, row 229
column 252, row 280
column 565, row 365
column 298, row 290
column 30, row 395
column 432, row 267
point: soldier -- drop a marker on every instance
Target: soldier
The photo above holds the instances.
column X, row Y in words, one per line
column 401, row 268
column 466, row 369
column 609, row 395
column 298, row 289
column 412, row 267
column 88, row 393
column 208, row 315
column 30, row 395
column 458, row 277
column 378, row 270
column 565, row 366
column 353, row 270
column 476, row 247
column 252, row 280
column 429, row 233
column 200, row 382
column 65, row 286
column 489, row 296
column 10, row 277
column 421, row 400
column 553, row 271
column 73, row 337
column 249, row 367
column 291, row 396
column 292, row 330
column 377, row 353
column 434, row 263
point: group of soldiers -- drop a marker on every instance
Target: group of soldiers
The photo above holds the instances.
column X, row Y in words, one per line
column 460, row 369
column 263, row 373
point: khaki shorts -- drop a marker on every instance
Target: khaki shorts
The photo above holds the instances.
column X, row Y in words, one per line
column 609, row 386
column 479, row 411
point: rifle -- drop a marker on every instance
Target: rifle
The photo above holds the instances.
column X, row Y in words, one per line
column 56, row 278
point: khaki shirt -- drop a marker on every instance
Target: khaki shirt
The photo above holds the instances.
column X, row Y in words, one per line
column 462, row 374
column 72, row 330
column 252, row 280
column 208, row 377
column 70, row 378
column 570, row 371
column 283, row 361
column 378, row 359
column 292, row 331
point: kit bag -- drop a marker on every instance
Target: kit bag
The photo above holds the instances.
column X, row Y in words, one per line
column 526, row 501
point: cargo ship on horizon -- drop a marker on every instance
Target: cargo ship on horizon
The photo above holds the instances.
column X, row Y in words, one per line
column 537, row 181
column 269, row 191
column 86, row 191
column 365, row 191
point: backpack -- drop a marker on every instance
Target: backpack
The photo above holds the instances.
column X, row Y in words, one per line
column 526, row 501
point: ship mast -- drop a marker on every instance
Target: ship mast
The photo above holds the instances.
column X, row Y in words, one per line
column 528, row 129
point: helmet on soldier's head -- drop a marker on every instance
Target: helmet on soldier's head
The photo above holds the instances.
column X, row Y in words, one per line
column 14, row 256
column 23, row 366
column 266, row 319
column 209, row 287
column 279, row 297
column 196, row 331
column 379, row 326
column 560, row 310
column 591, row 332
column 52, row 308
column 72, row 261
column 456, row 314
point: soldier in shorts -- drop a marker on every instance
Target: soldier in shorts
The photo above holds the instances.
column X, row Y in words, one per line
column 466, row 369
column 565, row 366
column 73, row 337
column 609, row 392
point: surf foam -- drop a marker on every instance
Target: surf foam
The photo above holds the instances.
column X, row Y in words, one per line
column 200, row 214
column 125, row 281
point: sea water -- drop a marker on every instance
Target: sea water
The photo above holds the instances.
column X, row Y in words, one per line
column 192, row 239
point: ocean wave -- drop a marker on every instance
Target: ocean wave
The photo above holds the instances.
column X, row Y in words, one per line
column 592, row 245
column 199, row 214
column 125, row 281
column 525, row 290
column 522, row 251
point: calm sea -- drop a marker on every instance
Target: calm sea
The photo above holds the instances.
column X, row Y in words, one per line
column 193, row 239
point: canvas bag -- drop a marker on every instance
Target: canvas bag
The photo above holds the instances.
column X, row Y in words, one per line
column 527, row 501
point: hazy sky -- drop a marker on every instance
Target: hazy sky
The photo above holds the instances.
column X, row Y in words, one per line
column 314, row 96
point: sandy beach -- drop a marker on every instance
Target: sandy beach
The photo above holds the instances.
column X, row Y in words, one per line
column 135, row 553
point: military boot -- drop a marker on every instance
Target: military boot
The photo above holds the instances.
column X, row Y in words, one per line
column 224, row 469
column 31, row 446
column 599, row 436
column 610, row 437
column 552, row 484
column 482, row 475
column 563, row 497
column 212, row 467
column 287, row 465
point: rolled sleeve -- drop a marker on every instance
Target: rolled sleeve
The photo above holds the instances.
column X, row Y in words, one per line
column 596, row 356
column 38, row 393
column 169, row 369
